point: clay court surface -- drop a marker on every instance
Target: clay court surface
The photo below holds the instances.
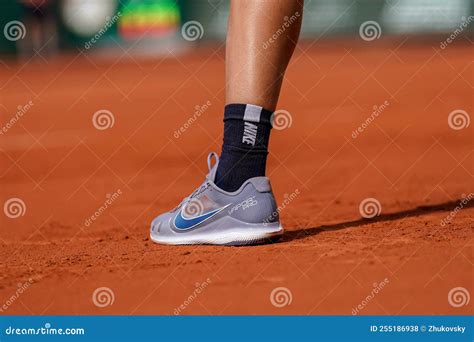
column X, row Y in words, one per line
column 408, row 158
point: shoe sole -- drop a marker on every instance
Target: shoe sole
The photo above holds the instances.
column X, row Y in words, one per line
column 235, row 237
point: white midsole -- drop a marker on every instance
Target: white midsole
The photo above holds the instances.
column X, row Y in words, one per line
column 236, row 235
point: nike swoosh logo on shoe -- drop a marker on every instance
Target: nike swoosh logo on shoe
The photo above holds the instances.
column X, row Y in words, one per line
column 183, row 223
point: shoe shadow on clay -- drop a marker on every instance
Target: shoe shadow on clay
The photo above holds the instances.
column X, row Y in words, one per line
column 304, row 233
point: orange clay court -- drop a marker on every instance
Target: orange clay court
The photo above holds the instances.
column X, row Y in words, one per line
column 330, row 258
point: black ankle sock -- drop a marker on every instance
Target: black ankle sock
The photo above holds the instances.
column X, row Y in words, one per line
column 244, row 152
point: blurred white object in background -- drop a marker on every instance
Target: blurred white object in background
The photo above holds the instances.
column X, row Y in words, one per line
column 86, row 17
column 414, row 16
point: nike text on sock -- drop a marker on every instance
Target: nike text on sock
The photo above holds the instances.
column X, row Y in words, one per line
column 250, row 133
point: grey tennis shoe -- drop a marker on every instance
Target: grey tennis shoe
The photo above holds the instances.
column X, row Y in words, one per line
column 213, row 216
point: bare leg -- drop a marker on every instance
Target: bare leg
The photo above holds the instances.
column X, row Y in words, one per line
column 261, row 38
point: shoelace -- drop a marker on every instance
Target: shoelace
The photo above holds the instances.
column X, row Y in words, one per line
column 196, row 192
column 204, row 185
